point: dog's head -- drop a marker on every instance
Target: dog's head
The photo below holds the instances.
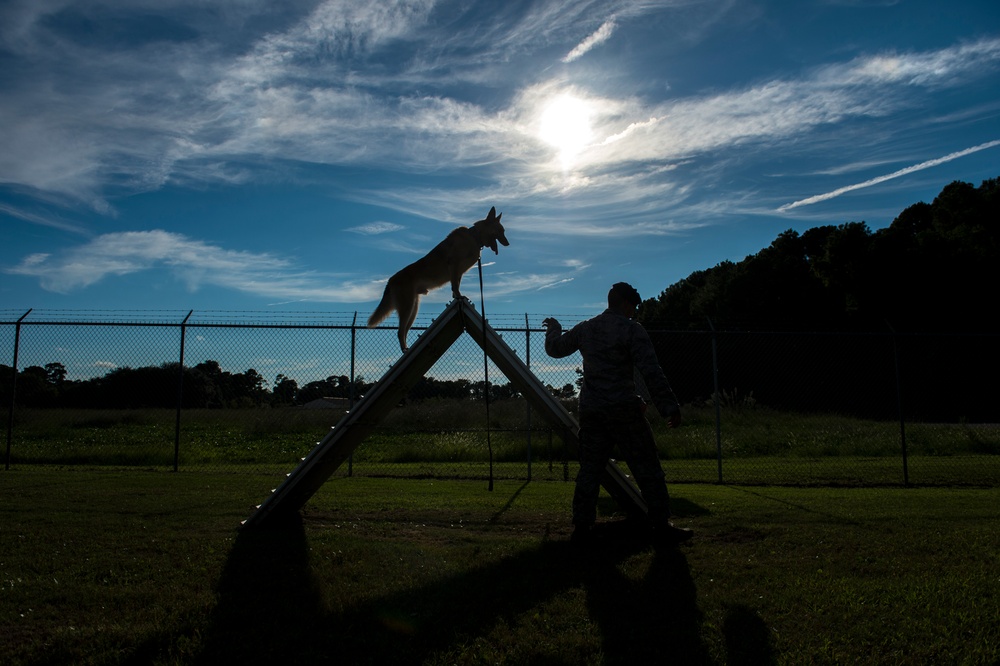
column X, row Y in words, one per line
column 491, row 231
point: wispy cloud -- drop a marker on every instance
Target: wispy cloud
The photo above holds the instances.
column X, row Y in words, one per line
column 600, row 36
column 193, row 262
column 927, row 68
column 781, row 110
column 375, row 228
column 555, row 283
column 42, row 220
column 510, row 284
column 375, row 84
column 199, row 264
column 881, row 179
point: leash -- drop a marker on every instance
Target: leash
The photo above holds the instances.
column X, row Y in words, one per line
column 486, row 370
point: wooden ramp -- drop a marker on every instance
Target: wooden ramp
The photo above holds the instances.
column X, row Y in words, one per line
column 460, row 316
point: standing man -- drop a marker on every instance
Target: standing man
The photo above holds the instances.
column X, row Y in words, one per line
column 614, row 346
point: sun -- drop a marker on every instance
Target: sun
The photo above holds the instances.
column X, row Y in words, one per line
column 565, row 125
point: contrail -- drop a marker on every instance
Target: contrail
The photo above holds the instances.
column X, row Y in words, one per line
column 600, row 36
column 895, row 174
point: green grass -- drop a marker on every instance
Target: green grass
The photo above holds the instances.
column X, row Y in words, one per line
column 110, row 567
column 446, row 438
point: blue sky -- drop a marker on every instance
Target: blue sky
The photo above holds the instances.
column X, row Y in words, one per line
column 290, row 156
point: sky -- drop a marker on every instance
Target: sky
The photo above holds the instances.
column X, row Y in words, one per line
column 273, row 157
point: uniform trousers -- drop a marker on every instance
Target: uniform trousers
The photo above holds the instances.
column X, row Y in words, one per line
column 624, row 426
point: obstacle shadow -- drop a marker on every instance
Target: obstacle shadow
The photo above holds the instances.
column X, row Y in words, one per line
column 270, row 604
column 271, row 608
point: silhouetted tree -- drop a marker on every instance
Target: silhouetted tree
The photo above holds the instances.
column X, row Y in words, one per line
column 284, row 392
column 931, row 269
column 34, row 388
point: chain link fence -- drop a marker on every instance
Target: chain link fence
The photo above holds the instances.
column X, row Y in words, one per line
column 252, row 393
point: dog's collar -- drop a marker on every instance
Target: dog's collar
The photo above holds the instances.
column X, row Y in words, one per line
column 478, row 235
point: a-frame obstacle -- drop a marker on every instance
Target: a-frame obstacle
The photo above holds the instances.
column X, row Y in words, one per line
column 354, row 427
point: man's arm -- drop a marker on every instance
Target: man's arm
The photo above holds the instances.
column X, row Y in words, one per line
column 558, row 344
column 644, row 358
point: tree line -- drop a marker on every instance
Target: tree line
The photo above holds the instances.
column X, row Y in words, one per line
column 921, row 291
column 207, row 386
column 933, row 269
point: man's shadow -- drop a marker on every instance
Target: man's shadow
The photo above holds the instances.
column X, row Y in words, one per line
column 271, row 607
column 652, row 618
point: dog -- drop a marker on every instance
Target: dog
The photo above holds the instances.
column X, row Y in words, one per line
column 448, row 261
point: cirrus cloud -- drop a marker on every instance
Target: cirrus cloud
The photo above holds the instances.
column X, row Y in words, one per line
column 194, row 262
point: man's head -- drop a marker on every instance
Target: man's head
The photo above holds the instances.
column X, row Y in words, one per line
column 624, row 298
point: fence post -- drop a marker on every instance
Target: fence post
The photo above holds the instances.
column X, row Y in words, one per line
column 350, row 405
column 13, row 386
column 527, row 405
column 899, row 405
column 180, row 394
column 715, row 384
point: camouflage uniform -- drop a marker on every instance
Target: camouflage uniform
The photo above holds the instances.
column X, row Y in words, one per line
column 614, row 347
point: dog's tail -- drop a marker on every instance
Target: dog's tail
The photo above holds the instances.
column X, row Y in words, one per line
column 384, row 308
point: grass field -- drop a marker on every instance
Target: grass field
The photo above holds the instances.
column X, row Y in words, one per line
column 108, row 567
column 758, row 446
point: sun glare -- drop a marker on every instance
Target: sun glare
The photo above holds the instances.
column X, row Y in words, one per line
column 565, row 125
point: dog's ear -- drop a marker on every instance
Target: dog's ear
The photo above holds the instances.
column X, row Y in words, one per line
column 493, row 214
column 499, row 216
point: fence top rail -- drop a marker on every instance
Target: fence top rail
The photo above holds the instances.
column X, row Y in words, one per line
column 243, row 319
column 175, row 317
column 500, row 322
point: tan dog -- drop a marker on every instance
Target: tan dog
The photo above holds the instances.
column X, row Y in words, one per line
column 448, row 261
